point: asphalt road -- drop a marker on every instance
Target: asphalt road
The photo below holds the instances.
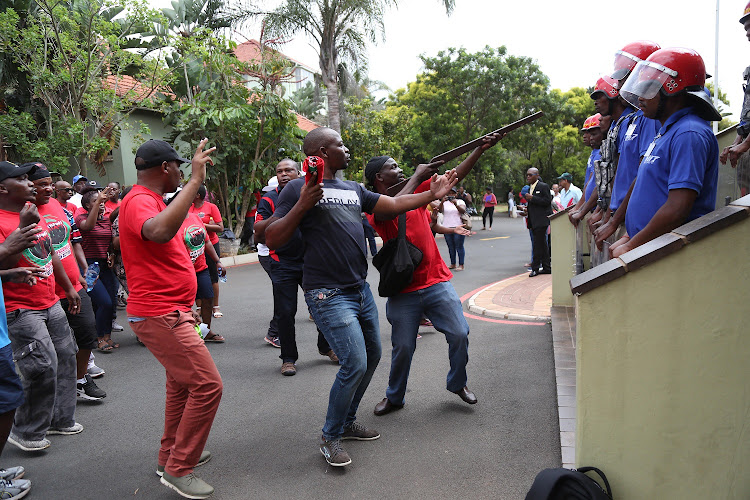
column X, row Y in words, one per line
column 264, row 439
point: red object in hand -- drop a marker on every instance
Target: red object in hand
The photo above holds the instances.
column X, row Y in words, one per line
column 314, row 165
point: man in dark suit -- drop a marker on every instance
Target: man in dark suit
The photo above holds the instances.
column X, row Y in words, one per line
column 540, row 199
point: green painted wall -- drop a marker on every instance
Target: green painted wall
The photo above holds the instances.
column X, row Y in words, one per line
column 663, row 400
column 563, row 236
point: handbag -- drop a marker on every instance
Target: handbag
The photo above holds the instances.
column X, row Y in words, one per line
column 396, row 262
column 466, row 220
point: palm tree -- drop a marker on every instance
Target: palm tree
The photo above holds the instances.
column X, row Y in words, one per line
column 339, row 28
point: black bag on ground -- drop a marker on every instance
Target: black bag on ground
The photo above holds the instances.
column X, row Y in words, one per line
column 568, row 484
column 396, row 262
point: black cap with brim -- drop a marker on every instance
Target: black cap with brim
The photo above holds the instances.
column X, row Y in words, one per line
column 8, row 169
column 40, row 172
column 91, row 186
column 703, row 106
column 155, row 152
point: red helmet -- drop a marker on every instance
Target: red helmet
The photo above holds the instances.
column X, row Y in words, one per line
column 630, row 55
column 745, row 14
column 591, row 122
column 606, row 85
column 671, row 71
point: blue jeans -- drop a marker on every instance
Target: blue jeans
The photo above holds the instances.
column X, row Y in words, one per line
column 348, row 319
column 104, row 298
column 441, row 305
column 455, row 246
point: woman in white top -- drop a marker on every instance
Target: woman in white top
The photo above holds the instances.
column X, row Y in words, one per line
column 452, row 208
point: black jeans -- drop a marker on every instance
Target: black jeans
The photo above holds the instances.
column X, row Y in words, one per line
column 488, row 212
column 287, row 278
column 273, row 327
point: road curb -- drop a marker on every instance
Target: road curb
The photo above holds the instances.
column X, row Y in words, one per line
column 493, row 313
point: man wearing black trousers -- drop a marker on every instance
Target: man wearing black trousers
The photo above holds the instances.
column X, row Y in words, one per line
column 540, row 199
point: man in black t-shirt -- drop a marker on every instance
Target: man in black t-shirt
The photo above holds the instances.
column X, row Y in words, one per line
column 286, row 274
column 335, row 267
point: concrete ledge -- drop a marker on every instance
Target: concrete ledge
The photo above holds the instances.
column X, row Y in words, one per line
column 239, row 260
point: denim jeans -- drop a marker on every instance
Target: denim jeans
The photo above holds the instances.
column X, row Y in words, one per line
column 455, row 246
column 45, row 354
column 286, row 278
column 441, row 305
column 104, row 298
column 348, row 319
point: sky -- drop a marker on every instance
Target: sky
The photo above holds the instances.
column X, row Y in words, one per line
column 572, row 41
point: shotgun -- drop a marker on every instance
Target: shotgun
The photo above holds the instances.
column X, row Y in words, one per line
column 465, row 148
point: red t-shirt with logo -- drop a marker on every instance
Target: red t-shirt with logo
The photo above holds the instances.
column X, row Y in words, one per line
column 20, row 295
column 59, row 231
column 193, row 234
column 110, row 206
column 67, row 206
column 161, row 276
column 209, row 214
column 432, row 269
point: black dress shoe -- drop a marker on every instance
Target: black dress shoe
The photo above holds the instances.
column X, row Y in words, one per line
column 545, row 271
column 386, row 406
column 534, row 273
column 467, row 396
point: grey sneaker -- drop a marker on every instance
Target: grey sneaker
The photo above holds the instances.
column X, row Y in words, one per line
column 205, row 457
column 14, row 489
column 360, row 433
column 190, row 486
column 334, row 452
column 65, row 431
column 12, row 473
column 27, row 444
column 89, row 391
column 95, row 371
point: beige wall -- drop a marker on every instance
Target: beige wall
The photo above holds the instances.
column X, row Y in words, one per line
column 563, row 236
column 663, row 357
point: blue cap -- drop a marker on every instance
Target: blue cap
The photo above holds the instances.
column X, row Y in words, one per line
column 79, row 178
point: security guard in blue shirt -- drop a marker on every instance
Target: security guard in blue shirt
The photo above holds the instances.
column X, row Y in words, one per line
column 678, row 176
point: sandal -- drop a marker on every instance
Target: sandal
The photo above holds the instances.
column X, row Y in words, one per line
column 217, row 312
column 112, row 343
column 103, row 346
column 213, row 337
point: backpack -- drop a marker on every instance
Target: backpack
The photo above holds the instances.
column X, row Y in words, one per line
column 396, row 262
column 568, row 484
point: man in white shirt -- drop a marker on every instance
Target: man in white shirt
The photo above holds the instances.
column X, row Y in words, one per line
column 79, row 183
column 569, row 194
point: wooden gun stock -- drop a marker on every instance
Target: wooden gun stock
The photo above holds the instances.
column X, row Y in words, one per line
column 469, row 146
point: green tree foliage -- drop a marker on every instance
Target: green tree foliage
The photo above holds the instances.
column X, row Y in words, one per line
column 307, row 102
column 78, row 57
column 724, row 105
column 249, row 128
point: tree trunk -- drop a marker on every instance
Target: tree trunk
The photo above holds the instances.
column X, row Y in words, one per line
column 328, row 70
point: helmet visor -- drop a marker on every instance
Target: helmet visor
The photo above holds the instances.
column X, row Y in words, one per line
column 645, row 82
column 624, row 62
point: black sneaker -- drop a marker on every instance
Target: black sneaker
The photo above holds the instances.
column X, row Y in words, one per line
column 334, row 452
column 274, row 341
column 359, row 432
column 89, row 391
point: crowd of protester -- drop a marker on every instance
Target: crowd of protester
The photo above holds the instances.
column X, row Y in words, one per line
column 72, row 254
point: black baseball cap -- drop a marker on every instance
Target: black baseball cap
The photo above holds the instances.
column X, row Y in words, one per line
column 8, row 169
column 39, row 173
column 155, row 152
column 91, row 186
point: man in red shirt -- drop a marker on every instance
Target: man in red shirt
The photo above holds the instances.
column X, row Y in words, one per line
column 162, row 285
column 113, row 197
column 64, row 192
column 43, row 346
column 83, row 324
column 430, row 292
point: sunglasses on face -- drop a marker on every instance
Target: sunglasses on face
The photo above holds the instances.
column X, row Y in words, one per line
column 70, row 190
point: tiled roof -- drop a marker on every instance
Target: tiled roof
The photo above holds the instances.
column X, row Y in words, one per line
column 305, row 124
column 124, row 84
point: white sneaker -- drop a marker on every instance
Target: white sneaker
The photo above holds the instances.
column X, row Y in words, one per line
column 28, row 445
column 65, row 431
column 95, row 371
column 116, row 327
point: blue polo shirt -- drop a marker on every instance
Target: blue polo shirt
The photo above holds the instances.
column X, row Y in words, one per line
column 590, row 183
column 4, row 340
column 639, row 132
column 684, row 154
